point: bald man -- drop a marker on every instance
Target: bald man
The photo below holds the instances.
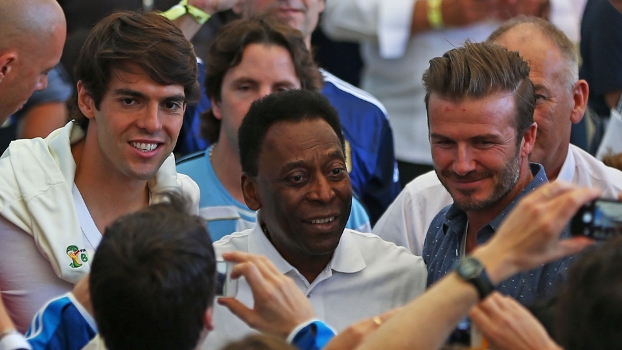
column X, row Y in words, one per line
column 33, row 34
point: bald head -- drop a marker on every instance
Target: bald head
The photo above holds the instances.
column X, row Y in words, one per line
column 561, row 98
column 24, row 20
column 33, row 35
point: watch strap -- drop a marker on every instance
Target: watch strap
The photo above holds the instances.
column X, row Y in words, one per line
column 479, row 279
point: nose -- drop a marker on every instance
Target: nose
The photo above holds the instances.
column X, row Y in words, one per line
column 265, row 91
column 150, row 119
column 321, row 189
column 463, row 162
column 42, row 83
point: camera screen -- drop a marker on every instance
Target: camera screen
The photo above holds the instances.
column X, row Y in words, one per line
column 603, row 221
column 221, row 277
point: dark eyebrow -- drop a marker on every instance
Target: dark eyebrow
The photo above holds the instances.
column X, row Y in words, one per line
column 298, row 163
column 437, row 136
column 127, row 92
column 175, row 98
column 244, row 80
column 477, row 137
column 134, row 93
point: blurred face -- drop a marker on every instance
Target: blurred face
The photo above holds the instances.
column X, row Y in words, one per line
column 137, row 124
column 555, row 104
column 263, row 70
column 302, row 188
column 474, row 148
column 300, row 14
column 28, row 73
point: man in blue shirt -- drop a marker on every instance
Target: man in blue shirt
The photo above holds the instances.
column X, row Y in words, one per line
column 249, row 59
column 366, row 128
column 480, row 104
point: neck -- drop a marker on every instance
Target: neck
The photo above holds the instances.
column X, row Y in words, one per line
column 480, row 218
column 106, row 194
column 310, row 266
column 554, row 166
column 308, row 43
column 226, row 163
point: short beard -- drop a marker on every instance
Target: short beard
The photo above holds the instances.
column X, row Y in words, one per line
column 507, row 181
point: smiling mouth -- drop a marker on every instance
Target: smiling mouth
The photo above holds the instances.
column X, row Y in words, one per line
column 144, row 147
column 323, row 221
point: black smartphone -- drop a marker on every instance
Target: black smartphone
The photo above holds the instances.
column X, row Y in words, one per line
column 600, row 219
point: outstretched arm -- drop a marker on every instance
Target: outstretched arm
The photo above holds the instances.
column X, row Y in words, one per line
column 518, row 245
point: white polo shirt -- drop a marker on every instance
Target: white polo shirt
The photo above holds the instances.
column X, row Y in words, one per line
column 366, row 277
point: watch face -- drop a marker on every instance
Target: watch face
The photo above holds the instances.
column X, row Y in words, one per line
column 470, row 268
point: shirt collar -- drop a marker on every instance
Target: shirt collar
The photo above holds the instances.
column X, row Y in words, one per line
column 346, row 259
column 455, row 216
column 566, row 173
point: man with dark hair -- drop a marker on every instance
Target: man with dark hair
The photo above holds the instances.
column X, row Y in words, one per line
column 250, row 58
column 152, row 286
column 366, row 127
column 480, row 104
column 294, row 175
column 33, row 34
column 152, row 281
column 136, row 73
column 561, row 100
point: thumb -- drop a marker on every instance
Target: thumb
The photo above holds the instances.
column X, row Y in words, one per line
column 574, row 245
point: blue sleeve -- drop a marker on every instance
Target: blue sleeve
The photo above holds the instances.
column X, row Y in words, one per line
column 313, row 336
column 384, row 185
column 358, row 220
column 60, row 325
column 366, row 128
column 190, row 140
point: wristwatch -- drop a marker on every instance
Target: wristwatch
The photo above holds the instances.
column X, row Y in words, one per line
column 471, row 270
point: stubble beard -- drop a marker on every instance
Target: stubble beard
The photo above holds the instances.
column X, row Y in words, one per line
column 507, row 180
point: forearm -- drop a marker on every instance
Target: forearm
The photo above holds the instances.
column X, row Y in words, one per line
column 420, row 22
column 433, row 315
column 195, row 14
column 9, row 338
column 5, row 321
column 188, row 26
column 430, row 318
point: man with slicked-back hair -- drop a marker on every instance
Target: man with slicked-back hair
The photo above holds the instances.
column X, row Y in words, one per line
column 480, row 103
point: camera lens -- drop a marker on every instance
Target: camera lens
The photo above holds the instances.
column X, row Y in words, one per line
column 587, row 217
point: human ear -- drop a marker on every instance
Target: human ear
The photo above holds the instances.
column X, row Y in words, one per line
column 249, row 190
column 580, row 92
column 529, row 139
column 6, row 64
column 208, row 320
column 85, row 101
column 216, row 111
